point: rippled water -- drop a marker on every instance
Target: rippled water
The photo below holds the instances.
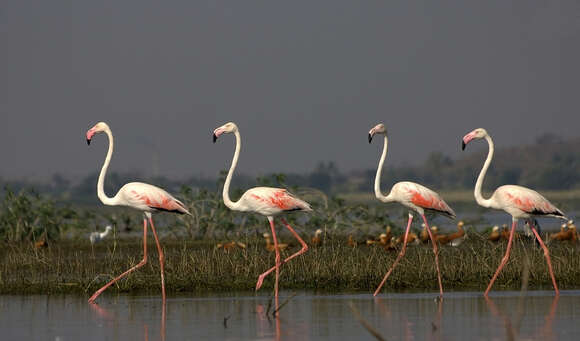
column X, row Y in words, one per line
column 461, row 315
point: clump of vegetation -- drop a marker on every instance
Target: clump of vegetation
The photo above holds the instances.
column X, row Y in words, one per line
column 27, row 216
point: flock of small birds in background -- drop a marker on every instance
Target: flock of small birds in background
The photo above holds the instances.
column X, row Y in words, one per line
column 385, row 240
column 567, row 233
column 390, row 242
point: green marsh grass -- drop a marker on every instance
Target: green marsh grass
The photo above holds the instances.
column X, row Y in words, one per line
column 197, row 266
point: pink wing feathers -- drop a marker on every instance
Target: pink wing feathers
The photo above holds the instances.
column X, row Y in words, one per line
column 525, row 200
column 272, row 201
column 150, row 198
column 423, row 197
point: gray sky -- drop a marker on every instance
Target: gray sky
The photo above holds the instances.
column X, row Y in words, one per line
column 304, row 80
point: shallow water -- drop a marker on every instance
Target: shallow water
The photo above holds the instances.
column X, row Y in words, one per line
column 536, row 316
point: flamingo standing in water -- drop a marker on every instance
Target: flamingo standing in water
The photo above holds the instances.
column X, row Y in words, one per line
column 138, row 195
column 416, row 197
column 518, row 201
column 266, row 201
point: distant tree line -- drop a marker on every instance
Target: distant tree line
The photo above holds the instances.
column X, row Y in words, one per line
column 549, row 164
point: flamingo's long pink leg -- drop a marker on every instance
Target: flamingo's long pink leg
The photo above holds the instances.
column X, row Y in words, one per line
column 304, row 249
column 161, row 259
column 436, row 255
column 271, row 220
column 401, row 254
column 141, row 263
column 163, row 312
column 504, row 259
column 546, row 254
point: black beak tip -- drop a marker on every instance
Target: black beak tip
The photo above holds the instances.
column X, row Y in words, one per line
column 370, row 138
column 462, row 145
column 88, row 142
column 214, row 138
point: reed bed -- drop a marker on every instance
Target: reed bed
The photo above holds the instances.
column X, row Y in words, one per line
column 197, row 266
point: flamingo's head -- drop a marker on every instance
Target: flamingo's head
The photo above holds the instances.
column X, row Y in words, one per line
column 97, row 128
column 378, row 129
column 474, row 135
column 229, row 127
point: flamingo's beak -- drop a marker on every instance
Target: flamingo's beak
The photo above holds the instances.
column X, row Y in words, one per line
column 217, row 132
column 467, row 138
column 90, row 134
column 370, row 137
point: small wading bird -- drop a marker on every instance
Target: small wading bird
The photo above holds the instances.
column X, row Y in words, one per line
column 567, row 232
column 454, row 238
column 416, row 197
column 270, row 246
column 384, row 241
column 505, row 232
column 351, row 242
column 96, row 237
column 317, row 238
column 518, row 201
column 424, row 236
column 230, row 245
column 41, row 243
column 143, row 197
column 494, row 235
column 383, row 238
column 266, row 201
column 411, row 239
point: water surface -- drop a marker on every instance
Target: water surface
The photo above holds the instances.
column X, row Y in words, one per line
column 537, row 315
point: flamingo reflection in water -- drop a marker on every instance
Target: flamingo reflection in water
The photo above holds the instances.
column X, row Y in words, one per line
column 111, row 318
column 512, row 329
column 408, row 327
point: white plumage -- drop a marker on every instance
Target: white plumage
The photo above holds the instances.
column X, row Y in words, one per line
column 96, row 237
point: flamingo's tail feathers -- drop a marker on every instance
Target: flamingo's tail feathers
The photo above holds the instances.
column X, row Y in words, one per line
column 451, row 214
column 448, row 213
column 181, row 208
column 300, row 205
column 554, row 213
column 306, row 207
column 174, row 206
column 560, row 214
column 445, row 210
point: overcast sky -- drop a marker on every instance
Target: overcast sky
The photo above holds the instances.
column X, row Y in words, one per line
column 304, row 81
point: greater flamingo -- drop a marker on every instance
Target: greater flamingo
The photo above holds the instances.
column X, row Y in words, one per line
column 266, row 201
column 518, row 201
column 96, row 237
column 138, row 195
column 416, row 197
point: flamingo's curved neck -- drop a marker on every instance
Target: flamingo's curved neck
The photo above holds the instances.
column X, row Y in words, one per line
column 477, row 192
column 101, row 183
column 225, row 193
column 378, row 193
